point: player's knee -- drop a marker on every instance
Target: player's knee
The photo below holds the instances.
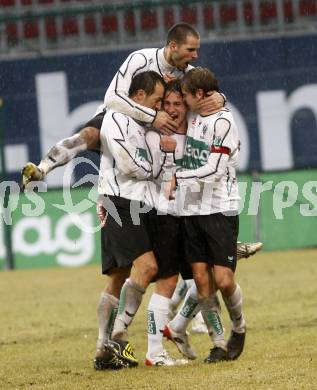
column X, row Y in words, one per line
column 150, row 271
column 224, row 282
column 201, row 278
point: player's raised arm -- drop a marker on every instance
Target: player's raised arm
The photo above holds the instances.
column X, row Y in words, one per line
column 117, row 95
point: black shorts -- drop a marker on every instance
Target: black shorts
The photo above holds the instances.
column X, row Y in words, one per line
column 168, row 244
column 123, row 241
column 211, row 239
column 96, row 121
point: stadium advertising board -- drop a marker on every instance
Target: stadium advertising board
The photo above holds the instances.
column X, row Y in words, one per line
column 60, row 228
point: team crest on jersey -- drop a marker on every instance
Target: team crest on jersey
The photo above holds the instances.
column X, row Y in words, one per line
column 204, row 131
column 217, row 141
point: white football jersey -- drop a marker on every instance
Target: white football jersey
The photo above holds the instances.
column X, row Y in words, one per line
column 116, row 96
column 124, row 166
column 207, row 184
column 163, row 174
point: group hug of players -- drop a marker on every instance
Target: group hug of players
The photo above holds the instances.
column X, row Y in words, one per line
column 168, row 202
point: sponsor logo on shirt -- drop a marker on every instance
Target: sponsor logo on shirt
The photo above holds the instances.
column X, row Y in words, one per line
column 196, row 154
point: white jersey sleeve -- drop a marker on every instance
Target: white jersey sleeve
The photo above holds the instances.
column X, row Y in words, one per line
column 123, row 147
column 117, row 94
column 224, row 146
column 163, row 164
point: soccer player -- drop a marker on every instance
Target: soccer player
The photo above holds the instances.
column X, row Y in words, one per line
column 124, row 170
column 166, row 232
column 208, row 194
column 168, row 242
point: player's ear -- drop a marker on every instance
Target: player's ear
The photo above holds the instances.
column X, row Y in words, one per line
column 200, row 93
column 172, row 45
column 140, row 95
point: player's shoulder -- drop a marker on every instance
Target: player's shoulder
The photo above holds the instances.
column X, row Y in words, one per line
column 115, row 116
column 224, row 113
column 147, row 52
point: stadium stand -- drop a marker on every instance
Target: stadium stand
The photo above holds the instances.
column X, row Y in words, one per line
column 42, row 25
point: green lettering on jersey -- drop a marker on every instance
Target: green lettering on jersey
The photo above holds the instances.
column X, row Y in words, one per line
column 196, row 153
column 141, row 154
column 179, row 163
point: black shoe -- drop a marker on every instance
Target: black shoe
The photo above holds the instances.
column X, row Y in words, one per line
column 216, row 355
column 106, row 359
column 235, row 345
column 123, row 351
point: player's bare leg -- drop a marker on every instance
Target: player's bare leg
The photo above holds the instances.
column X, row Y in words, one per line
column 60, row 154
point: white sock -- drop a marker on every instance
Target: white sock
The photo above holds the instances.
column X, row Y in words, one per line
column 211, row 314
column 157, row 318
column 130, row 300
column 234, row 307
column 178, row 295
column 106, row 311
column 188, row 310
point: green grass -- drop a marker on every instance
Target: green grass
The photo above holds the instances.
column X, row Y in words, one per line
column 48, row 330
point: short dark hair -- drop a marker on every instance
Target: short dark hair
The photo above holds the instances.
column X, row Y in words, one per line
column 146, row 81
column 179, row 32
column 200, row 78
column 174, row 86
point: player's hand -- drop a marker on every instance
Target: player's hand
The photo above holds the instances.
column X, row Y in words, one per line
column 102, row 214
column 164, row 123
column 30, row 172
column 168, row 144
column 212, row 102
column 168, row 77
column 170, row 188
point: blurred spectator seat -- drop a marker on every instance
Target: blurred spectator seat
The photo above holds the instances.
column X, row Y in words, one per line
column 109, row 24
column 31, row 29
column 7, row 3
column 308, row 7
column 168, row 17
column 228, row 14
column 70, row 26
column 268, row 11
column 149, row 20
column 189, row 15
column 90, row 25
column 50, row 28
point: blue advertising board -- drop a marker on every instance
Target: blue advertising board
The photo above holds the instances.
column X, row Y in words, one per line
column 271, row 86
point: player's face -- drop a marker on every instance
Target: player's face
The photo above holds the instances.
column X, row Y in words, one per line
column 175, row 106
column 185, row 53
column 190, row 99
column 154, row 100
